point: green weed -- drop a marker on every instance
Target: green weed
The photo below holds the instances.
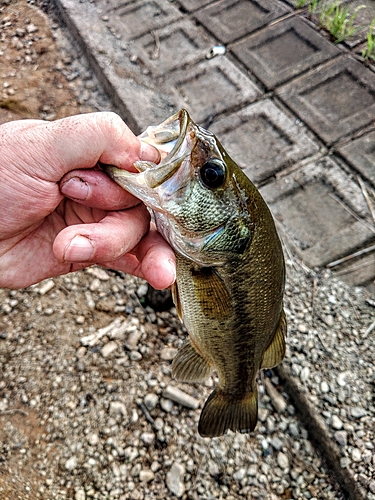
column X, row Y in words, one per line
column 369, row 51
column 337, row 20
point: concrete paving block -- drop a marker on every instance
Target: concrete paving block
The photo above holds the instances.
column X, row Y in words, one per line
column 335, row 100
column 212, row 87
column 177, row 45
column 314, row 208
column 283, row 51
column 360, row 153
column 141, row 17
column 230, row 20
column 192, row 5
column 363, row 20
column 263, row 140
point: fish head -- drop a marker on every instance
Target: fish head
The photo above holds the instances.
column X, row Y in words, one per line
column 197, row 193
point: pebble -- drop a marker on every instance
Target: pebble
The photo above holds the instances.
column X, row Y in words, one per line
column 146, row 475
column 282, row 460
column 175, row 478
column 150, row 401
column 71, row 463
column 357, row 412
column 166, row 405
column 341, row 437
column 116, row 407
column 175, row 394
column 304, row 374
column 148, row 437
column 80, row 495
column 336, row 422
column 135, row 356
column 108, row 349
column 168, row 353
column 356, row 455
column 324, row 387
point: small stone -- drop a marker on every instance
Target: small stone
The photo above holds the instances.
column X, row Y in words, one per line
column 71, row 464
column 372, row 486
column 304, row 374
column 293, row 429
column 108, row 349
column 252, row 470
column 341, row 437
column 80, row 495
column 146, row 476
column 80, row 320
column 166, row 405
column 324, row 387
column 357, row 412
column 213, row 468
column 168, row 353
column 31, row 28
column 282, row 460
column 276, row 443
column 135, row 356
column 116, row 407
column 148, row 437
column 180, row 397
column 93, row 439
column 174, row 479
column 46, row 287
column 336, row 422
column 142, row 290
column 356, row 455
column 239, row 474
column 150, row 401
column 344, row 462
column 302, row 328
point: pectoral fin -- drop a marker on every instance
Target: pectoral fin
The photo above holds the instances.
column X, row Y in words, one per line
column 211, row 292
column 189, row 366
column 176, row 300
column 275, row 352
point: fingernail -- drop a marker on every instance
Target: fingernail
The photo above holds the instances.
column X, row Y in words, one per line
column 172, row 268
column 80, row 249
column 149, row 153
column 75, row 188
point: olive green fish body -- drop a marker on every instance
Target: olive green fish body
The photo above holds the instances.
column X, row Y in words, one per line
column 230, row 267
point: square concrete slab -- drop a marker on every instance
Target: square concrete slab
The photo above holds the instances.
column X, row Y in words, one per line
column 335, row 100
column 283, row 51
column 191, row 5
column 141, row 17
column 212, row 87
column 174, row 46
column 263, row 140
column 314, row 207
column 230, row 20
column 360, row 153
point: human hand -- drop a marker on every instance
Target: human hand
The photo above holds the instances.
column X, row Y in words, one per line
column 43, row 233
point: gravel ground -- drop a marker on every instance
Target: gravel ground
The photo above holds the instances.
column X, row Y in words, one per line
column 88, row 408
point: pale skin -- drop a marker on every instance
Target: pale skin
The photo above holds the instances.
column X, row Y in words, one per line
column 58, row 213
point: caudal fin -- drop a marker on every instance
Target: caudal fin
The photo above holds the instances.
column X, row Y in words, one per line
column 221, row 412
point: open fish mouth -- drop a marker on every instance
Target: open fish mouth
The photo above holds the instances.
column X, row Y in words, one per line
column 172, row 139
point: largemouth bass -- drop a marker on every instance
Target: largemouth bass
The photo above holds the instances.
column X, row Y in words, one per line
column 230, row 267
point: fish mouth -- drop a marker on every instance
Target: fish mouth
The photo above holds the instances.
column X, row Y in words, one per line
column 172, row 139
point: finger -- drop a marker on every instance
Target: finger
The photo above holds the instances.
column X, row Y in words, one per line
column 154, row 261
column 81, row 141
column 94, row 188
column 115, row 235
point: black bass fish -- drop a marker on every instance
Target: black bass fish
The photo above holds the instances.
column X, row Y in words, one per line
column 230, row 266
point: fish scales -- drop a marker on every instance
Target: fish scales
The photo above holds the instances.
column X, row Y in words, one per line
column 230, row 267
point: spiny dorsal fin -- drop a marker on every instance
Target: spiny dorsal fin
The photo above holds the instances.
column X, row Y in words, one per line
column 211, row 293
column 275, row 352
column 189, row 366
column 221, row 412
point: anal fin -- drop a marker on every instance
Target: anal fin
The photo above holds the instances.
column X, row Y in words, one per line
column 189, row 366
column 275, row 352
column 221, row 412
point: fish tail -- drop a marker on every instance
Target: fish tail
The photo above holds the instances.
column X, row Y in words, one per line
column 221, row 412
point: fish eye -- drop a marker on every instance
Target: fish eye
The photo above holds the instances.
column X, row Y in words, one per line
column 213, row 173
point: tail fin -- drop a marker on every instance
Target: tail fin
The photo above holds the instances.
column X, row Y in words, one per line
column 221, row 412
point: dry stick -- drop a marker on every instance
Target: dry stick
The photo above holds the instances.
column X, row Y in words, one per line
column 366, row 197
column 353, row 214
column 351, row 256
column 369, row 330
column 156, row 52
